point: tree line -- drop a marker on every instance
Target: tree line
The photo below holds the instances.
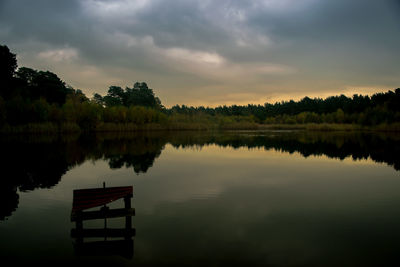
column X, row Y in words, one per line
column 29, row 96
column 41, row 98
column 359, row 109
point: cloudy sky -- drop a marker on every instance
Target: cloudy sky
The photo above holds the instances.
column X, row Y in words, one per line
column 205, row 52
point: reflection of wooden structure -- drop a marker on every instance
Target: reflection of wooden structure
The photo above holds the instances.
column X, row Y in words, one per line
column 95, row 197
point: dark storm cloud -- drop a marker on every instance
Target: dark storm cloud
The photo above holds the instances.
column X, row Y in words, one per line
column 43, row 20
column 340, row 24
column 223, row 43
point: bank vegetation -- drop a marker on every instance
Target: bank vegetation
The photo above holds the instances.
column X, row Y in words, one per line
column 34, row 101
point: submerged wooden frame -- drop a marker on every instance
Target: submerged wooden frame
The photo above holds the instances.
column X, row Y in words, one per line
column 89, row 198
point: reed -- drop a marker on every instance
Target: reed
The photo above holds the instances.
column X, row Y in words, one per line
column 52, row 128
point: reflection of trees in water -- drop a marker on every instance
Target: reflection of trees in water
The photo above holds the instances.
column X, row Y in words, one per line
column 9, row 200
column 26, row 166
column 140, row 163
column 29, row 163
column 32, row 163
column 132, row 151
column 378, row 147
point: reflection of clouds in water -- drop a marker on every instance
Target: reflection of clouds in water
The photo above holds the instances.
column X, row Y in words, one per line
column 306, row 221
column 213, row 171
column 242, row 199
column 215, row 160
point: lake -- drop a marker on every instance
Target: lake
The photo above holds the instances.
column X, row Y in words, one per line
column 276, row 198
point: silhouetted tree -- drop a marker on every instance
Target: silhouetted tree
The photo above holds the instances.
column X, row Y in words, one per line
column 98, row 99
column 114, row 97
column 139, row 95
column 36, row 84
column 8, row 65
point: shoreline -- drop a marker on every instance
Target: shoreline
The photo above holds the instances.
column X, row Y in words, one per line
column 53, row 128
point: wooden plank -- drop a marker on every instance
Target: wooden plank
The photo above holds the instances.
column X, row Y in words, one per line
column 105, row 232
column 94, row 197
column 95, row 191
column 102, row 213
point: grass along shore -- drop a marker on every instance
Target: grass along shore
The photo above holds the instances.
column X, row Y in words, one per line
column 52, row 128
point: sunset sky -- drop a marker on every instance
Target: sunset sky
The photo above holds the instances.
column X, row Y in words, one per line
column 211, row 52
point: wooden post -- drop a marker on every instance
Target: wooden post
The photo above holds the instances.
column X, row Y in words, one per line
column 79, row 227
column 127, row 200
column 128, row 219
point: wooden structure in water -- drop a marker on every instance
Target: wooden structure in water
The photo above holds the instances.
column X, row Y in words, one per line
column 84, row 199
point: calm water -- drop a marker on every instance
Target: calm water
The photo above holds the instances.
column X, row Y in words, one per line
column 208, row 199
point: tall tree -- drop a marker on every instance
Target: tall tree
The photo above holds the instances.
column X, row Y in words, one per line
column 42, row 84
column 115, row 96
column 139, row 95
column 8, row 65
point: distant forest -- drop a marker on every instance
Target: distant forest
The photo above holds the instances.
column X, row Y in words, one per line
column 39, row 101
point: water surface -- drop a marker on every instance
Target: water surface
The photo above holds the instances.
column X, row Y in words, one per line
column 232, row 198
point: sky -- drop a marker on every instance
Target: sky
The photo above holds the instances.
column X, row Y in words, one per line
column 209, row 52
